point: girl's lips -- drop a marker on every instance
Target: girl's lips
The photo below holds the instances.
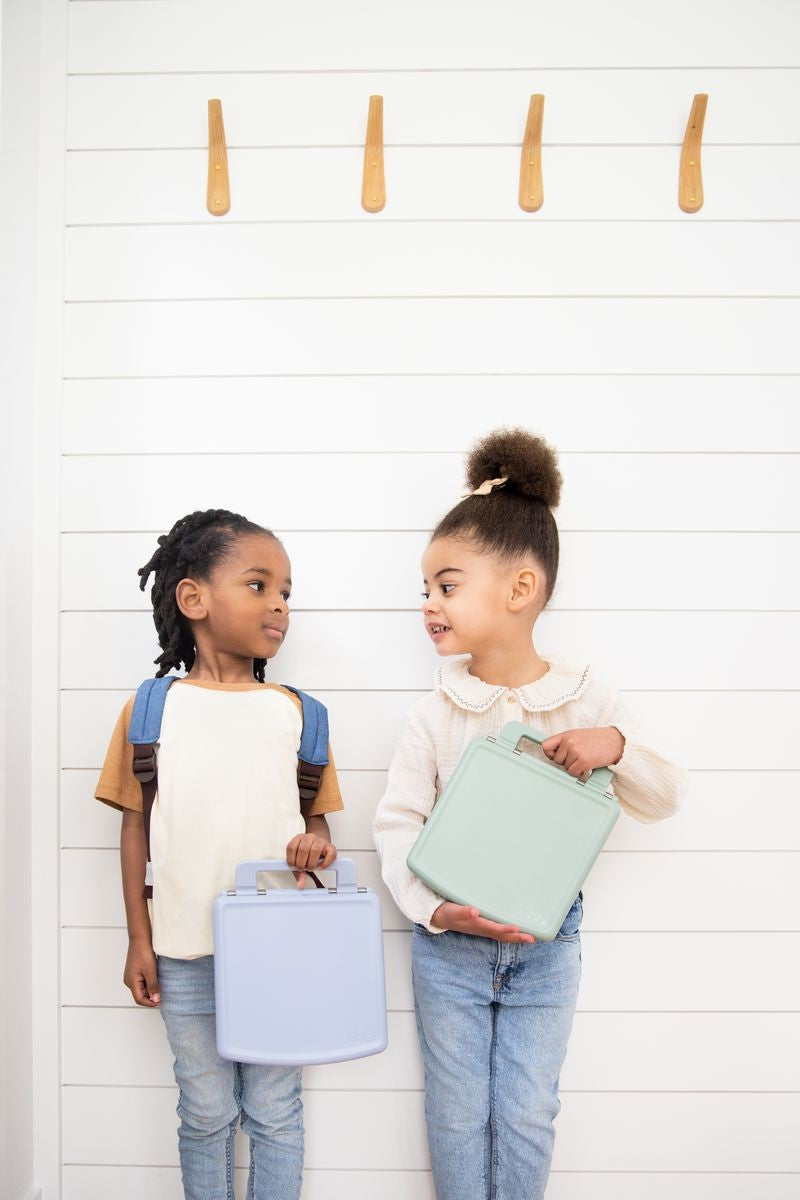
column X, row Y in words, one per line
column 273, row 632
column 437, row 635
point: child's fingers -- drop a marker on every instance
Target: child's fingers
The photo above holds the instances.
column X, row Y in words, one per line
column 313, row 854
column 322, row 855
column 571, row 760
column 301, row 857
column 328, row 857
column 484, row 927
column 301, row 850
column 301, row 877
column 559, row 750
column 142, row 994
column 551, row 744
column 463, row 913
column 151, row 983
column 138, row 990
column 510, row 933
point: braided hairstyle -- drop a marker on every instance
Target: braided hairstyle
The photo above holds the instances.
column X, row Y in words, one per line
column 192, row 548
column 514, row 520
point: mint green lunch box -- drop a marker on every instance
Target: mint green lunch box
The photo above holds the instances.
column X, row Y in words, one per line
column 514, row 836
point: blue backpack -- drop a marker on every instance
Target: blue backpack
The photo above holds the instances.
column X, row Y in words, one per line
column 145, row 730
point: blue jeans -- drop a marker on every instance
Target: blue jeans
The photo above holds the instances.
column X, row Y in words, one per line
column 214, row 1091
column 493, row 1021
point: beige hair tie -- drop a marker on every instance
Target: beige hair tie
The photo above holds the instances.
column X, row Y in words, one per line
column 486, row 487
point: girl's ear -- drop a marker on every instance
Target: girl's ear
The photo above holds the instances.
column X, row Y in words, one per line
column 189, row 599
column 527, row 587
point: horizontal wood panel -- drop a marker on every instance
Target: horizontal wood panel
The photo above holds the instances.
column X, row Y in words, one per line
column 650, row 1052
column 656, row 1132
column 374, row 650
column 379, row 1130
column 163, row 1183
column 296, row 184
column 337, row 414
column 176, row 35
column 128, row 1046
column 631, row 891
column 321, row 337
column 622, row 972
column 374, row 1130
column 566, row 1185
column 425, row 108
column 702, row 730
column 404, row 492
column 241, row 262
column 724, row 810
column 596, row 570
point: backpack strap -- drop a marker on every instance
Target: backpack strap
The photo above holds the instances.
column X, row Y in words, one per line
column 313, row 752
column 143, row 734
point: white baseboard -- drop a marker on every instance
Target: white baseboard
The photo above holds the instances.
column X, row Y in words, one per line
column 35, row 1194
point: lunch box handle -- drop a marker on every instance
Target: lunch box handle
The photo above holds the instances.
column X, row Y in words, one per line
column 246, row 873
column 514, row 731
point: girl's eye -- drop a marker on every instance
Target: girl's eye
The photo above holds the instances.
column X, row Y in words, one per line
column 425, row 594
column 286, row 596
column 445, row 586
column 257, row 584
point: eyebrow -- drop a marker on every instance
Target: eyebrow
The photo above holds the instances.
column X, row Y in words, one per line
column 263, row 571
column 446, row 571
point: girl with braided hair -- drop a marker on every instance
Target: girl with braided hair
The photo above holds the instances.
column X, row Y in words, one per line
column 494, row 1009
column 227, row 792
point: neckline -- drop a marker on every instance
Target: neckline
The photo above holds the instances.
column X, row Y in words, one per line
column 562, row 681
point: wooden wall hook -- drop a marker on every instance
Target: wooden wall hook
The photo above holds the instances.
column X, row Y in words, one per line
column 218, row 195
column 373, row 187
column 690, row 182
column 531, row 192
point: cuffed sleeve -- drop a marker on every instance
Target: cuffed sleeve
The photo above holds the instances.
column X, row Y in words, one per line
column 410, row 795
column 648, row 786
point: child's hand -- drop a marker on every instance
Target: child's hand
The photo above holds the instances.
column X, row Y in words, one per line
column 581, row 750
column 309, row 852
column 464, row 919
column 141, row 975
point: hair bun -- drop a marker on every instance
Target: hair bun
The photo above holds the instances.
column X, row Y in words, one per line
column 528, row 462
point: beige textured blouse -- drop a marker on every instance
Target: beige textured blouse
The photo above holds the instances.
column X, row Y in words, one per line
column 438, row 728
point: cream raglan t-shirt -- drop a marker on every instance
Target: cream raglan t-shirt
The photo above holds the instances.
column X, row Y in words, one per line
column 227, row 792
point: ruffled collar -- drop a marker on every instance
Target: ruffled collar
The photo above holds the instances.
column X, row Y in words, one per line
column 561, row 683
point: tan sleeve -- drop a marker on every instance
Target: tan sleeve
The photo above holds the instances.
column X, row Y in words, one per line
column 117, row 784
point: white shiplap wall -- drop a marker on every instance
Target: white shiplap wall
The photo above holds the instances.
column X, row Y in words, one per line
column 299, row 341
